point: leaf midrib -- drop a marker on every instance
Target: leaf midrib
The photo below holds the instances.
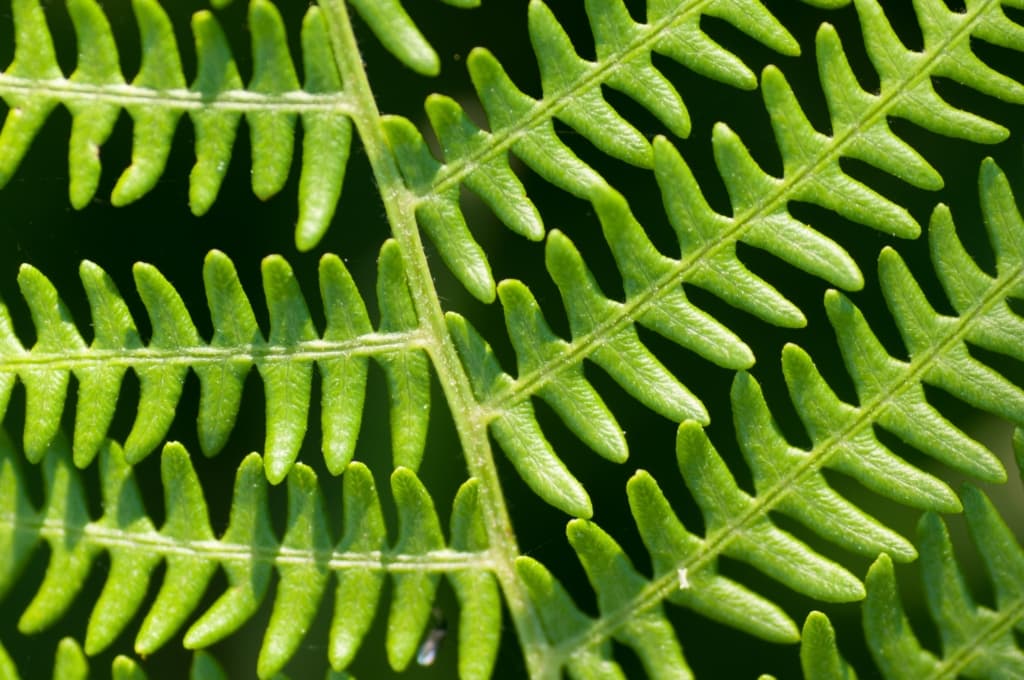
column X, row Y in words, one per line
column 151, row 542
column 1003, row 622
column 370, row 344
column 124, row 95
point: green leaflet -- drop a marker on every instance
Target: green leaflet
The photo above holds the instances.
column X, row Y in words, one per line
column 789, row 480
column 249, row 552
column 517, row 431
column 284, row 358
column 976, row 641
column 156, row 98
column 70, row 664
column 890, row 391
column 812, row 173
column 396, row 30
column 819, row 656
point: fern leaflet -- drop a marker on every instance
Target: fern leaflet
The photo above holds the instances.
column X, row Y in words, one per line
column 760, row 216
column 284, row 360
column 33, row 85
column 248, row 552
column 977, row 642
column 70, row 663
column 789, row 480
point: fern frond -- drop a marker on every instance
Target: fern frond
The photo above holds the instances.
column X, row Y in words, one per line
column 70, row 663
column 685, row 565
column 284, row 359
column 572, row 92
column 737, row 526
column 789, row 480
column 937, row 343
column 97, row 91
column 603, row 329
column 248, row 552
column 890, row 391
column 977, row 642
column 649, row 633
column 760, row 217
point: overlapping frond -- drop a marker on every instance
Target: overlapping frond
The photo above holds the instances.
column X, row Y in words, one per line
column 976, row 641
column 284, row 358
column 760, row 216
column 249, row 552
column 96, row 93
column 685, row 570
column 487, row 399
column 937, row 344
column 70, row 663
column 789, row 480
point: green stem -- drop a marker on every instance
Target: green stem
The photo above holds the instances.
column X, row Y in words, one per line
column 467, row 413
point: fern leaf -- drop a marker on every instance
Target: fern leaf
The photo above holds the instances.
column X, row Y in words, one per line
column 890, row 391
column 730, row 510
column 284, row 359
column 160, row 71
column 977, row 642
column 517, row 430
column 249, row 552
column 811, row 159
column 70, row 663
column 572, row 92
column 685, row 568
column 648, row 633
column 789, row 480
column 708, row 250
column 301, row 585
column 416, row 334
column 685, row 565
column 476, row 590
column 936, row 343
column 561, row 619
column 95, row 93
column 34, row 58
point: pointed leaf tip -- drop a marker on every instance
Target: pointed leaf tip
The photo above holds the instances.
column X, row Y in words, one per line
column 398, row 33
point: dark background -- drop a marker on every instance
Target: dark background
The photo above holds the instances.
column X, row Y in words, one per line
column 38, row 226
